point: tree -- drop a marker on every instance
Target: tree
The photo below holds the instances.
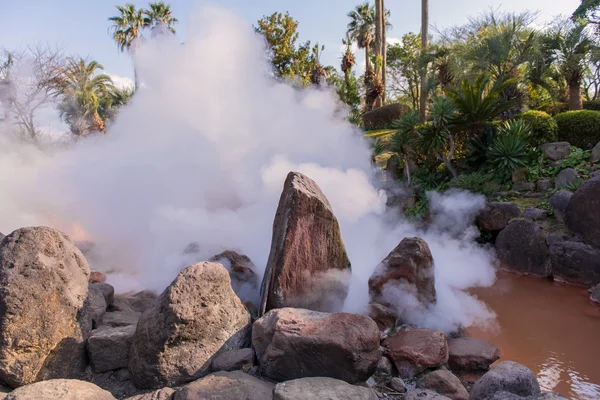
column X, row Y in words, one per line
column 424, row 43
column 159, row 18
column 360, row 28
column 405, row 68
column 588, row 10
column 318, row 75
column 127, row 31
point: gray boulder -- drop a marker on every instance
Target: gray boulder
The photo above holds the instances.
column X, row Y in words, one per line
column 444, row 382
column 121, row 318
column 543, row 184
column 137, row 302
column 242, row 272
column 595, row 293
column 535, row 214
column 556, row 151
column 397, row 385
column 541, row 396
column 495, row 215
column 226, row 385
column 559, row 202
column 566, row 177
column 471, row 354
column 108, row 291
column 194, row 319
column 297, row 343
column 43, row 317
column 583, row 212
column 108, row 348
column 506, row 376
column 60, row 389
column 96, row 305
column 575, row 262
column 523, row 186
column 424, row 394
column 522, row 247
column 159, row 394
column 595, row 153
column 234, row 360
column 319, row 389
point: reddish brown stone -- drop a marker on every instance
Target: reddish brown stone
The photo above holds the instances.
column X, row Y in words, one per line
column 415, row 350
column 97, row 277
column 383, row 316
column 244, row 280
column 471, row 354
column 308, row 266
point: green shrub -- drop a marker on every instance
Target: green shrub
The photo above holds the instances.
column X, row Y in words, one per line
column 543, row 127
column 555, row 108
column 580, row 128
column 508, row 150
column 592, row 105
column 478, row 182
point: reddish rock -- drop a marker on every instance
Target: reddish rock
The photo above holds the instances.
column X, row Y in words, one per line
column 97, row 277
column 444, row 383
column 409, row 264
column 384, row 317
column 415, row 350
column 244, row 280
column 297, row 343
column 471, row 354
column 308, row 266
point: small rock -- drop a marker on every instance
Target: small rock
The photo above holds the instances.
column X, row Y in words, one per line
column 320, row 389
column 556, row 151
column 566, row 177
column 595, row 294
column 97, row 277
column 107, row 291
column 60, row 389
column 415, row 350
column 445, row 383
column 384, row 317
column 385, row 366
column 160, row 394
column 122, row 374
column 519, row 175
column 542, row 396
column 575, row 262
column 582, row 216
column 108, row 348
column 595, row 153
column 424, row 394
column 234, row 360
column 397, row 385
column 506, row 376
column 543, row 184
column 226, row 385
column 523, row 187
column 559, row 202
column 535, row 214
column 471, row 354
column 121, row 318
column 495, row 215
column 138, row 302
column 522, row 247
column 96, row 305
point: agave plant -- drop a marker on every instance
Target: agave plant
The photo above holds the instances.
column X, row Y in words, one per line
column 509, row 151
column 516, row 127
column 402, row 142
column 437, row 136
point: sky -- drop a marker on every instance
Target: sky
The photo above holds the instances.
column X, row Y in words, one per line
column 81, row 27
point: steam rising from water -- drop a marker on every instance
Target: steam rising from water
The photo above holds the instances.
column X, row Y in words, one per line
column 200, row 155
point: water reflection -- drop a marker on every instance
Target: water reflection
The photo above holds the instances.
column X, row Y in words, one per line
column 551, row 328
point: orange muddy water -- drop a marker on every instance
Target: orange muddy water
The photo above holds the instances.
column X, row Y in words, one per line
column 552, row 328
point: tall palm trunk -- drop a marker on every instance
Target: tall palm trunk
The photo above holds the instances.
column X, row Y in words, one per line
column 379, row 45
column 383, row 48
column 575, row 102
column 424, row 34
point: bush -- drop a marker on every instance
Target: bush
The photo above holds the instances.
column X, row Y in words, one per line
column 580, row 128
column 555, row 108
column 508, row 150
column 383, row 117
column 592, row 105
column 477, row 182
column 543, row 127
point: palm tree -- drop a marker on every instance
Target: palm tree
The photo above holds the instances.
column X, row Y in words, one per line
column 127, row 30
column 159, row 18
column 347, row 60
column 360, row 28
column 424, row 42
column 82, row 91
column 318, row 75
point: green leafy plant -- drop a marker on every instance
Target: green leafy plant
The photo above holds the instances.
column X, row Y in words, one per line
column 426, row 180
column 478, row 182
column 580, row 128
column 509, row 150
column 573, row 186
column 543, row 127
column 419, row 210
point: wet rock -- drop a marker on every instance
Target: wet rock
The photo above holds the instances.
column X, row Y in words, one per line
column 121, row 318
column 415, row 350
column 160, row 394
column 556, row 151
column 424, row 394
column 471, row 354
column 595, row 294
column 559, row 202
column 397, row 385
column 535, row 214
column 297, row 343
column 444, row 383
column 195, row 318
column 541, row 396
column 234, row 360
column 108, row 348
column 506, row 376
column 138, row 302
column 60, row 389
column 107, row 291
column 575, row 262
column 409, row 268
column 583, row 212
column 96, row 305
column 595, row 153
column 226, row 385
column 523, row 186
column 43, row 315
column 244, row 280
column 308, row 266
column 321, row 388
column 384, row 317
column 543, row 184
column 566, row 177
column 522, row 247
column 495, row 215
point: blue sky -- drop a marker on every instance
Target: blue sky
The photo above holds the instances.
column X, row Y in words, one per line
column 81, row 26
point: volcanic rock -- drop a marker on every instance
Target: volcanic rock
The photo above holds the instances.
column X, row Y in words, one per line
column 595, row 153
column 121, row 318
column 384, row 317
column 445, row 383
column 575, row 262
column 566, row 177
column 506, row 376
column 159, row 394
column 60, row 389
column 108, row 348
column 244, row 280
column 96, row 305
column 543, row 185
column 523, row 186
column 556, row 151
column 194, row 319
column 319, row 389
column 535, row 214
column 522, row 247
column 97, row 277
column 397, row 385
column 297, row 343
column 542, row 396
column 595, row 293
column 308, row 266
column 415, row 350
column 226, row 385
column 559, row 202
column 471, row 354
column 43, row 320
column 583, row 212
column 234, row 360
column 137, row 302
column 424, row 394
column 107, row 291
column 495, row 215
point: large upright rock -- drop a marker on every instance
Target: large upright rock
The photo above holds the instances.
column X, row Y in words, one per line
column 575, row 262
column 409, row 267
column 296, row 343
column 43, row 317
column 308, row 266
column 583, row 212
column 522, row 247
column 195, row 318
column 559, row 202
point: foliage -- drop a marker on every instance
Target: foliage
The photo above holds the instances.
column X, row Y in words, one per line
column 477, row 147
column 509, row 150
column 580, row 128
column 578, row 159
column 404, row 66
column 427, row 180
column 478, row 182
column 543, row 127
column 588, row 10
column 159, row 18
column 419, row 210
column 127, row 26
column 574, row 185
column 593, row 105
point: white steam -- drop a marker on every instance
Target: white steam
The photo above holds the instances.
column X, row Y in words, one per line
column 200, row 155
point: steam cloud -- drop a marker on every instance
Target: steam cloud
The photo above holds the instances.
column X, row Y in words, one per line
column 200, row 155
